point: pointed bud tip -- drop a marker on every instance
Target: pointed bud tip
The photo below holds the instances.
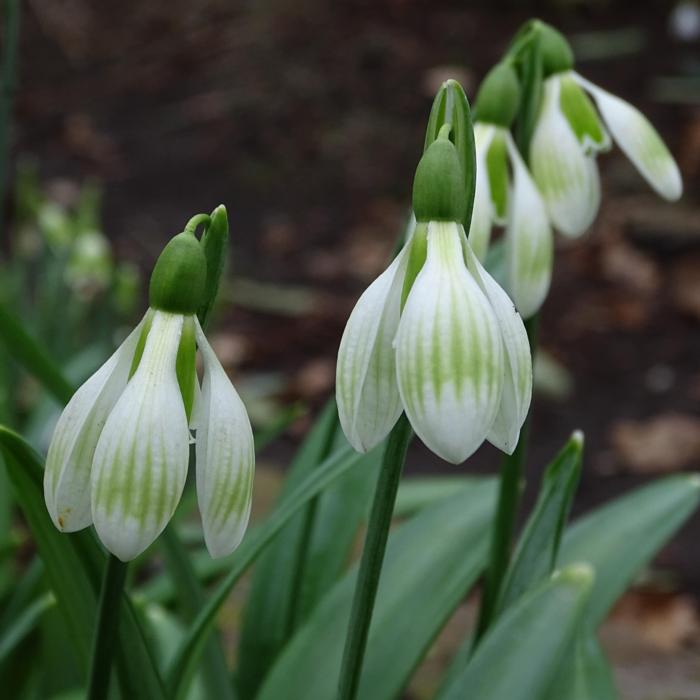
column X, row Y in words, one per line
column 577, row 438
column 179, row 276
column 581, row 574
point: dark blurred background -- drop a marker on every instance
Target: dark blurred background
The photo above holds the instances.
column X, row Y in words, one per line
column 306, row 119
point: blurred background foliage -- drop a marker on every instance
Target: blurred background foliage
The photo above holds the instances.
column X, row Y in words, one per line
column 306, row 119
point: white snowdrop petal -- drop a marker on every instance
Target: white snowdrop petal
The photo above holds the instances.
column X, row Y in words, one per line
column 529, row 241
column 366, row 392
column 69, row 459
column 482, row 214
column 141, row 458
column 517, row 364
column 449, row 352
column 639, row 141
column 566, row 177
column 225, row 457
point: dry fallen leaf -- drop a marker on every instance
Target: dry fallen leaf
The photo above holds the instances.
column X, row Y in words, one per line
column 661, row 444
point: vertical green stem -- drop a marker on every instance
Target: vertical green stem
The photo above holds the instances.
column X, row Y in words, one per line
column 9, row 85
column 372, row 558
column 510, row 491
column 107, row 627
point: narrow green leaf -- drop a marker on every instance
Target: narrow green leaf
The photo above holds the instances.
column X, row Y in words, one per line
column 215, row 675
column 431, row 562
column 339, row 512
column 187, row 658
column 267, row 621
column 32, row 356
column 531, row 81
column 586, row 673
column 23, row 624
column 620, row 538
column 520, row 655
column 537, row 549
column 73, row 565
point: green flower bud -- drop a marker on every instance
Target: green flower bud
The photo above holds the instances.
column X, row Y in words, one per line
column 439, row 191
column 498, row 98
column 179, row 276
column 557, row 55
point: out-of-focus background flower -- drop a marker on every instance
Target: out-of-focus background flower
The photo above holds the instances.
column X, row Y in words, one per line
column 307, row 119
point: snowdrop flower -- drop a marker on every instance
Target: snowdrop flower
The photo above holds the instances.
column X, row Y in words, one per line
column 507, row 196
column 119, row 455
column 569, row 133
column 434, row 335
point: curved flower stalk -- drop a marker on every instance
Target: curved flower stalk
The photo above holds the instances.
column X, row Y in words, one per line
column 119, row 455
column 569, row 133
column 435, row 336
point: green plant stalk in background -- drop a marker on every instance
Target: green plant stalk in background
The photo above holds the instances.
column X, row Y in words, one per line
column 373, row 557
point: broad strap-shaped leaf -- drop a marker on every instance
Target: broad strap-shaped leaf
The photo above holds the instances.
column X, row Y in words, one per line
column 189, row 652
column 639, row 141
column 521, row 654
column 536, row 553
column 73, row 566
column 621, row 537
column 270, row 608
column 449, row 353
column 566, row 177
column 431, row 562
column 585, row 674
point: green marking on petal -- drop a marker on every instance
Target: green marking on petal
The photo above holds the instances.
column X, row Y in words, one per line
column 497, row 166
column 582, row 115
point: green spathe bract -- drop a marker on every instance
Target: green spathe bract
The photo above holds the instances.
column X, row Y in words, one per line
column 557, row 55
column 179, row 276
column 439, row 192
column 498, row 98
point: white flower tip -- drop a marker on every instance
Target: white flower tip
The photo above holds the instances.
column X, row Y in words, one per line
column 577, row 438
column 220, row 545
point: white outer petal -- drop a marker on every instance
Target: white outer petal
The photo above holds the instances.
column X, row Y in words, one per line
column 639, row 141
column 449, row 353
column 529, row 241
column 566, row 177
column 517, row 365
column 225, row 457
column 483, row 214
column 69, row 459
column 140, row 463
column 366, row 392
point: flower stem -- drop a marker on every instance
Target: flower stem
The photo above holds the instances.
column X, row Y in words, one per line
column 107, row 627
column 372, row 558
column 510, row 490
column 196, row 220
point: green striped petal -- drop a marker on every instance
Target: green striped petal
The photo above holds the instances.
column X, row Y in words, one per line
column 529, row 241
column 566, row 177
column 140, row 462
column 449, row 353
column 225, row 457
column 69, row 459
column 497, row 168
column 366, row 392
column 581, row 115
column 639, row 141
column 482, row 214
column 517, row 364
